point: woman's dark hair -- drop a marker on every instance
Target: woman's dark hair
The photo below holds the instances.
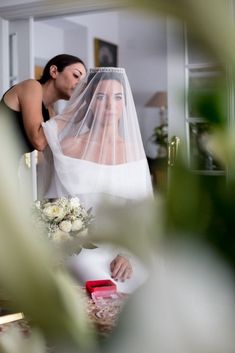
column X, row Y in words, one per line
column 60, row 61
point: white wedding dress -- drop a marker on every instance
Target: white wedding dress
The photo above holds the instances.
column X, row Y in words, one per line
column 88, row 180
column 119, row 174
column 95, row 264
column 91, row 183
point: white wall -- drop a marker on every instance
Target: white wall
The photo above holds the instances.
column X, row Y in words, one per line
column 49, row 41
column 54, row 37
column 76, row 42
column 67, row 38
column 104, row 26
column 142, row 52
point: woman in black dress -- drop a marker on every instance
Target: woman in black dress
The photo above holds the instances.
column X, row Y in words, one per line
column 30, row 102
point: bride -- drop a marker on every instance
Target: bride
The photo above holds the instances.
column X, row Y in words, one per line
column 96, row 153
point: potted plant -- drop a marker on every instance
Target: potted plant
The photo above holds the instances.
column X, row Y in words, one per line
column 160, row 138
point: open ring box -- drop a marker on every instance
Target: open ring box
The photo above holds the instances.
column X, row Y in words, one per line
column 99, row 289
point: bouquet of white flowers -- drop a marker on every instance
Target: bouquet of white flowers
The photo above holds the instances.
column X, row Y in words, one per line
column 65, row 221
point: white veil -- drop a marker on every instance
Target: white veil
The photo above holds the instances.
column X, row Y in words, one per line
column 96, row 143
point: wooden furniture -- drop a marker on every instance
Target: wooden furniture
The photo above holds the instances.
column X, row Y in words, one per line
column 158, row 171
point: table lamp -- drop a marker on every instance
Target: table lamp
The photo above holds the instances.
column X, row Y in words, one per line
column 159, row 100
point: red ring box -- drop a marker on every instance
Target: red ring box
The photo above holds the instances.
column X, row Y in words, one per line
column 102, row 288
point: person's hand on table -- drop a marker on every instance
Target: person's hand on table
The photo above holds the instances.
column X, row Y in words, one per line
column 121, row 268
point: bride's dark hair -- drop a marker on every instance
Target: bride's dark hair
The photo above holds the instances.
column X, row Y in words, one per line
column 96, row 77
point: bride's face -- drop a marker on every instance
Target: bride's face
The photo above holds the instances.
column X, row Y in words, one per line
column 108, row 101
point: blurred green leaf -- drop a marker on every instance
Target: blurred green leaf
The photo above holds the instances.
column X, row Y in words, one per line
column 211, row 105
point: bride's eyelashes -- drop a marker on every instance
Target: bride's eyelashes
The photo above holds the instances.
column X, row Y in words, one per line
column 118, row 96
column 100, row 96
column 103, row 96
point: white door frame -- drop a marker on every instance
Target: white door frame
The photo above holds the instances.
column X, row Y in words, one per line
column 4, row 55
column 176, row 88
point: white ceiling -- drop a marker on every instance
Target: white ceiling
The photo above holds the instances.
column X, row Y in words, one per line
column 75, row 20
column 14, row 2
column 19, row 9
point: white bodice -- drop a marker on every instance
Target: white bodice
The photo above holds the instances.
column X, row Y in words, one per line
column 76, row 177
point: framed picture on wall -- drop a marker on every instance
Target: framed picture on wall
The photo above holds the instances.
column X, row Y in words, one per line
column 105, row 53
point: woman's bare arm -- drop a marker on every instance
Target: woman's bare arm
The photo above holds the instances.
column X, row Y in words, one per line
column 30, row 102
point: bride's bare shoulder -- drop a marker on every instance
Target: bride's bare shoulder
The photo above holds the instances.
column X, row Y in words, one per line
column 75, row 139
column 72, row 146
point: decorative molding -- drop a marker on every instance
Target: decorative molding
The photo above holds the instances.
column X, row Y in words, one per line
column 44, row 9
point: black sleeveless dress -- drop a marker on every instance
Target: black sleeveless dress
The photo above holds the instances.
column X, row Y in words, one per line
column 18, row 125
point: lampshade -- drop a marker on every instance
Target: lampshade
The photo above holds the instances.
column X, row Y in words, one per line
column 159, row 99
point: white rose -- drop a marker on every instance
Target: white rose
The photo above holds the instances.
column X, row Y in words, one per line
column 77, row 225
column 53, row 211
column 74, row 202
column 65, row 226
column 61, row 201
column 72, row 217
column 60, row 236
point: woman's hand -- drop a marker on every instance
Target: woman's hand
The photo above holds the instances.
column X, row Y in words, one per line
column 121, row 268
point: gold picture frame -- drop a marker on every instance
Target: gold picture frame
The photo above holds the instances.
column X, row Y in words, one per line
column 106, row 53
